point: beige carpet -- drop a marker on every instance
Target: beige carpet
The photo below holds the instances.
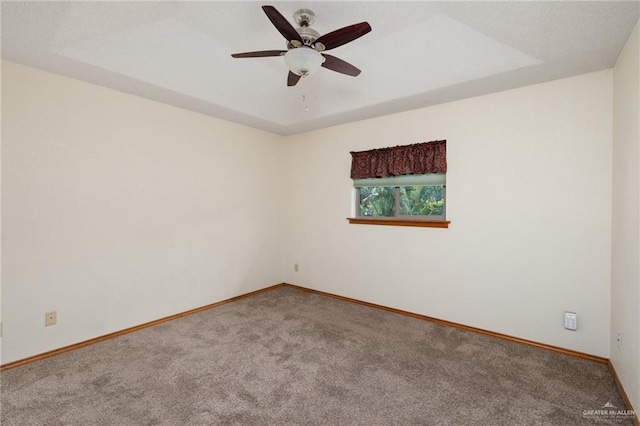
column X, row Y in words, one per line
column 288, row 357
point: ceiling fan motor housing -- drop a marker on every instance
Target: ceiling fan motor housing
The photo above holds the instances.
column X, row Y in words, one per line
column 304, row 18
column 309, row 35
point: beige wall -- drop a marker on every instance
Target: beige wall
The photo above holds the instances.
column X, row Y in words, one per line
column 625, row 293
column 118, row 210
column 529, row 190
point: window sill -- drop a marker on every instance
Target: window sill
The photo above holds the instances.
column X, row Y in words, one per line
column 399, row 222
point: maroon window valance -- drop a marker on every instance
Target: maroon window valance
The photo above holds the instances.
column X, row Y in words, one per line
column 419, row 158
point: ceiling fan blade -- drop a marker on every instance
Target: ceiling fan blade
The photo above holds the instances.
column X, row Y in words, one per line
column 343, row 35
column 338, row 65
column 259, row 54
column 292, row 79
column 281, row 24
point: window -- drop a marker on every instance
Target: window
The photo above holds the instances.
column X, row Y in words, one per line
column 402, row 185
column 415, row 197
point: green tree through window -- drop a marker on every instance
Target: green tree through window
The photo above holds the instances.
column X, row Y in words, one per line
column 377, row 201
column 421, row 200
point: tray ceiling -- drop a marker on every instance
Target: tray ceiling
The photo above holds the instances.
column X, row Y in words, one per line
column 418, row 53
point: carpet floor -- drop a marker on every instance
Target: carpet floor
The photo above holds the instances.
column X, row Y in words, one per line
column 290, row 357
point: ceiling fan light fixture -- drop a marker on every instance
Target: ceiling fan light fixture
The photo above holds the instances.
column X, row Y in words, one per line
column 303, row 60
column 304, row 45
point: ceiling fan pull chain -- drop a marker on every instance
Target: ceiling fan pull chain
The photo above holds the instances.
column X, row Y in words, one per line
column 304, row 100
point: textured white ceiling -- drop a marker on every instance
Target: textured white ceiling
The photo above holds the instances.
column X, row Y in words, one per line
column 418, row 53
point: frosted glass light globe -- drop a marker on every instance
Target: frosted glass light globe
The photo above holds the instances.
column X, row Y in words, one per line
column 303, row 60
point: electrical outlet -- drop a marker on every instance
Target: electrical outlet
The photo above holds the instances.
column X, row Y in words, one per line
column 295, row 267
column 570, row 321
column 619, row 340
column 50, row 318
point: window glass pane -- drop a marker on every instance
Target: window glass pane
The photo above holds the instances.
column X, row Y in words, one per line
column 377, row 201
column 425, row 200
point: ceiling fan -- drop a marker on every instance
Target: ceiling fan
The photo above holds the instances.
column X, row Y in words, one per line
column 305, row 45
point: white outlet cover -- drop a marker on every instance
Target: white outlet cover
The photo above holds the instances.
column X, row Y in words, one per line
column 570, row 321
